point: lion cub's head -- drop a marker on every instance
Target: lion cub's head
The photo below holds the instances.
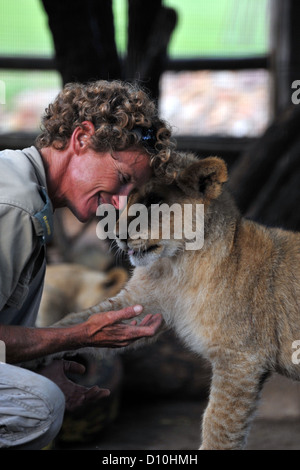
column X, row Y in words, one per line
column 162, row 218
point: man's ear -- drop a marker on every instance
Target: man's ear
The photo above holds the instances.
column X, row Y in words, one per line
column 203, row 178
column 80, row 138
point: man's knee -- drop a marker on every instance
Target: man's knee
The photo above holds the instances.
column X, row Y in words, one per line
column 31, row 408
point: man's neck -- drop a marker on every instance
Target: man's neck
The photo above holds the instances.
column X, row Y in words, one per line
column 56, row 164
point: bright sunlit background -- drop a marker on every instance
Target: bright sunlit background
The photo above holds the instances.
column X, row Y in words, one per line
column 195, row 103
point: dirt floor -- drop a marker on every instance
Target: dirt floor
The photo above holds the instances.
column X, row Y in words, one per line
column 175, row 425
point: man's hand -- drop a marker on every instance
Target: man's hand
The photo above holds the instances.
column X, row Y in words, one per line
column 107, row 330
column 75, row 395
column 100, row 330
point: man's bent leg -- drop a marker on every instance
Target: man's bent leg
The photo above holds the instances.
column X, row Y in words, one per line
column 31, row 409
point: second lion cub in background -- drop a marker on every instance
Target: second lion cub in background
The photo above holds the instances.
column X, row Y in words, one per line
column 236, row 300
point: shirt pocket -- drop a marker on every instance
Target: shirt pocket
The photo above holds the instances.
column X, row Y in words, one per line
column 19, row 295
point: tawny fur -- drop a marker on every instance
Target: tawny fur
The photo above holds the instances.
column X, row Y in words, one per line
column 235, row 301
column 72, row 287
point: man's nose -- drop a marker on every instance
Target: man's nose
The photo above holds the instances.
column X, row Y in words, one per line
column 119, row 202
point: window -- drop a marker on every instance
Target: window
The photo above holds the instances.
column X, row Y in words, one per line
column 195, row 102
column 218, row 102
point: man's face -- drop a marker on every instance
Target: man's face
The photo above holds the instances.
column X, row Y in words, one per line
column 100, row 178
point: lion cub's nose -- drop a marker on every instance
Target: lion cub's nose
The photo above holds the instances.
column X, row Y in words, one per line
column 121, row 235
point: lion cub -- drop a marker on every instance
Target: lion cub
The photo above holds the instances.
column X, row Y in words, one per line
column 236, row 300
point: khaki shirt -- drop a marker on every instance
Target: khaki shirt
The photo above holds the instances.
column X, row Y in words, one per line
column 24, row 229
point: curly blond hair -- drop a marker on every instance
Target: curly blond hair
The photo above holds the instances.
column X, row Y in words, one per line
column 116, row 109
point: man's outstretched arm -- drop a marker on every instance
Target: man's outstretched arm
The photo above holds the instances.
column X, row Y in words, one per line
column 100, row 330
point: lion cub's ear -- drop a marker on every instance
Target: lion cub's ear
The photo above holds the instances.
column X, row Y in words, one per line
column 203, row 178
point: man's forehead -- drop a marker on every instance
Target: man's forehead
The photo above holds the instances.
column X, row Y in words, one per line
column 133, row 158
column 137, row 164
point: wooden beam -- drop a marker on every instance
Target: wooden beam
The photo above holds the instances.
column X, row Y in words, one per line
column 177, row 65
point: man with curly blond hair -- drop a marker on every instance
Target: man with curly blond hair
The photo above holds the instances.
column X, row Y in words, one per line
column 98, row 142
